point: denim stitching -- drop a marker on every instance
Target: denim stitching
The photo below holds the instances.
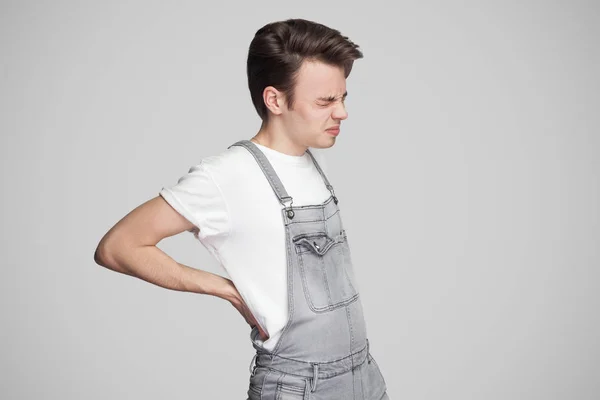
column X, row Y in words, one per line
column 310, row 220
column 267, row 170
column 320, row 362
column 300, row 258
column 351, row 334
column 270, row 172
column 290, row 271
column 305, row 281
column 337, row 239
column 337, row 212
column 315, row 206
column 320, row 217
column 262, row 388
column 278, row 387
column 362, row 386
column 327, row 184
column 347, row 275
column 310, row 302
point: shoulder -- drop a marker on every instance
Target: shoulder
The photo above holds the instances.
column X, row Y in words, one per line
column 200, row 187
column 229, row 166
column 229, row 158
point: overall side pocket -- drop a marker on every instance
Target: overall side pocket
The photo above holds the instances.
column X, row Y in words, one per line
column 289, row 392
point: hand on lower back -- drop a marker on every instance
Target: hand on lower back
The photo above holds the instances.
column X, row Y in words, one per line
column 236, row 300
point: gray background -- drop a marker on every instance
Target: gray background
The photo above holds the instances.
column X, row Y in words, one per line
column 474, row 123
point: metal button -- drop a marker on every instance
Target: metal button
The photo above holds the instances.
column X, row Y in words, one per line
column 290, row 214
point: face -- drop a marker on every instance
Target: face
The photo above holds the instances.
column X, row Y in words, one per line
column 318, row 107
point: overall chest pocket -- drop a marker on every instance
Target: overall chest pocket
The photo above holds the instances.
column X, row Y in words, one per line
column 325, row 270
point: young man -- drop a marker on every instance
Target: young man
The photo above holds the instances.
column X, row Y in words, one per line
column 266, row 211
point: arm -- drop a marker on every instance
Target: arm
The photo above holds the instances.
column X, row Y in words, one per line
column 129, row 247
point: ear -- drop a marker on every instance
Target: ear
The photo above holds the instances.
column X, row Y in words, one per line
column 274, row 100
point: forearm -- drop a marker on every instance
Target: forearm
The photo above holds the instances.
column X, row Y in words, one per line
column 153, row 265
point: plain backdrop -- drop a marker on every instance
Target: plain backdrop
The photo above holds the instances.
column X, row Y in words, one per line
column 474, row 123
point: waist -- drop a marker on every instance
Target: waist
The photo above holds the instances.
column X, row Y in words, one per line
column 312, row 369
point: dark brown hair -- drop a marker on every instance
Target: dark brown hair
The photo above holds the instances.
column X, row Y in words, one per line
column 279, row 48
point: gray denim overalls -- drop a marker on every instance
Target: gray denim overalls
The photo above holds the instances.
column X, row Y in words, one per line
column 323, row 351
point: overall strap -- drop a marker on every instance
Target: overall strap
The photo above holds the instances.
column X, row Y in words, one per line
column 271, row 175
column 267, row 169
column 325, row 180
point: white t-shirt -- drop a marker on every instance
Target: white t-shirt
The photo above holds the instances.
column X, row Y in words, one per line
column 237, row 217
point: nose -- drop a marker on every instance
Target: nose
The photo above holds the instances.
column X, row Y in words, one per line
column 339, row 112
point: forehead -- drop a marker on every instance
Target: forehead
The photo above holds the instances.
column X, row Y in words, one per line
column 319, row 79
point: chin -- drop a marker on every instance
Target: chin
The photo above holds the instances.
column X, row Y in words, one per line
column 327, row 144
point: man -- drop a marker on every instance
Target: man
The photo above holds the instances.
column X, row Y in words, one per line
column 266, row 211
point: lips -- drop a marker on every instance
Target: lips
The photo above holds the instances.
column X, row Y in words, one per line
column 334, row 130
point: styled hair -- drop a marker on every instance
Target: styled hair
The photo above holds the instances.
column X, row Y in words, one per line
column 279, row 48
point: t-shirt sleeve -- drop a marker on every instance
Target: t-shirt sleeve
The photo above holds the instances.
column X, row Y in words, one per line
column 198, row 198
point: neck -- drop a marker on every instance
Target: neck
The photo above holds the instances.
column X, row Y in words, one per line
column 275, row 137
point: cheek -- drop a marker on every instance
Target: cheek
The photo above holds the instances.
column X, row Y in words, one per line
column 309, row 115
column 313, row 116
column 319, row 115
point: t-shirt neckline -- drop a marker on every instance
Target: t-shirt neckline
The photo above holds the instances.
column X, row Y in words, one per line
column 303, row 160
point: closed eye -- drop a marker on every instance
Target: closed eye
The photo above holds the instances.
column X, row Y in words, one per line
column 331, row 99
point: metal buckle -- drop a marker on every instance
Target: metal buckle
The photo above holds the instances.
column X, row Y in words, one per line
column 335, row 199
column 289, row 212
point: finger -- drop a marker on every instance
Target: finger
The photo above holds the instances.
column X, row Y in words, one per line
column 262, row 333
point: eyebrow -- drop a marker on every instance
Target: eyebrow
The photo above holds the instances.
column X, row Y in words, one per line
column 332, row 98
